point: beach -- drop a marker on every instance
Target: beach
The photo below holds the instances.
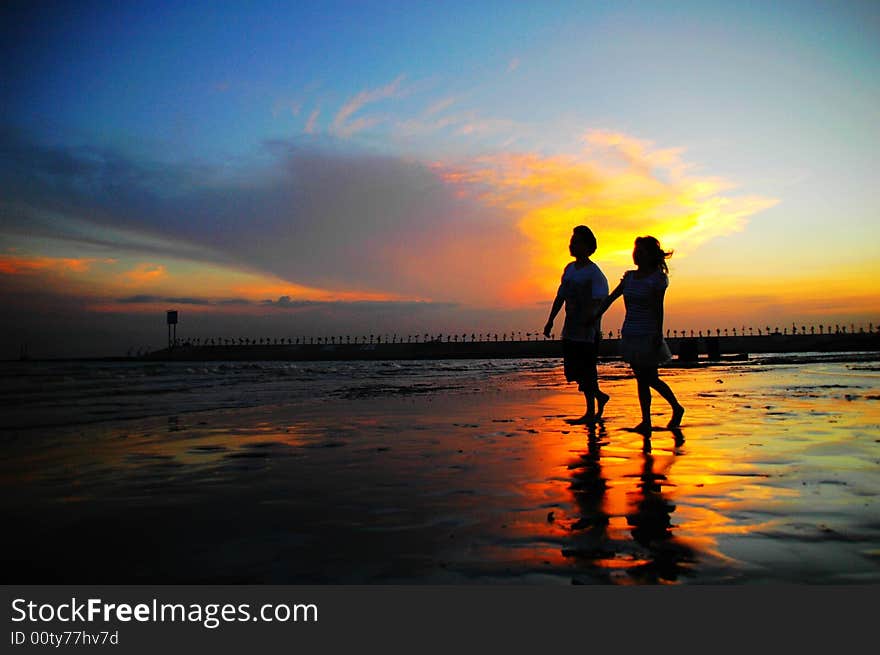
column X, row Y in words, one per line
column 439, row 473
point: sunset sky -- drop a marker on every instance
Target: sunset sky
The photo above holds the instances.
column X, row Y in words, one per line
column 349, row 168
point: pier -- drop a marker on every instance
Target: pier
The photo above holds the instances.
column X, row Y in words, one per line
column 685, row 349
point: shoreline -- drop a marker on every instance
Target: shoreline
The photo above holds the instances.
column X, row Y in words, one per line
column 746, row 359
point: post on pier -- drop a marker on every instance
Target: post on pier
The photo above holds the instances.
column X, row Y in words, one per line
column 171, row 318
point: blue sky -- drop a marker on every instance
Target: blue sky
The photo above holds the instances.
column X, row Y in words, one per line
column 151, row 69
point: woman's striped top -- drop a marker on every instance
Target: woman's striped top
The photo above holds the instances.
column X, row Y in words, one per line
column 642, row 298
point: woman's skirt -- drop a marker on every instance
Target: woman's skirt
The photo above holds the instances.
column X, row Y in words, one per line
column 644, row 351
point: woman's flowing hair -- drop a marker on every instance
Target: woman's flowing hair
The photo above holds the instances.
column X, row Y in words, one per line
column 656, row 256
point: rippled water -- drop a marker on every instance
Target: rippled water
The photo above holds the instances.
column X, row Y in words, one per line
column 40, row 394
column 35, row 394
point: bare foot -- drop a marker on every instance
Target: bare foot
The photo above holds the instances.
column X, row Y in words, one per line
column 677, row 413
column 679, row 437
column 643, row 427
column 601, row 401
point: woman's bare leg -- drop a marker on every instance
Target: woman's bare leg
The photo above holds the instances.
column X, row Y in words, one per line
column 643, row 380
column 667, row 394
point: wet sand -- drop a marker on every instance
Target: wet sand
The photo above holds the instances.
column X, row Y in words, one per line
column 773, row 477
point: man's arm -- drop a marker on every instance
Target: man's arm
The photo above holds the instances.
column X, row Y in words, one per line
column 554, row 310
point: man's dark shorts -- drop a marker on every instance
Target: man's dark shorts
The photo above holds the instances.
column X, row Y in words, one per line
column 579, row 358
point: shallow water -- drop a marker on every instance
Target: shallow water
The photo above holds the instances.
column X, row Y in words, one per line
column 64, row 393
column 445, row 472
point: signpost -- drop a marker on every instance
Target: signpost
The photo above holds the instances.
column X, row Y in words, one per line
column 172, row 320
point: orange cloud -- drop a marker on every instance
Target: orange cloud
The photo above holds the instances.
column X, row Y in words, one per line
column 23, row 265
column 240, row 298
column 145, row 273
column 620, row 186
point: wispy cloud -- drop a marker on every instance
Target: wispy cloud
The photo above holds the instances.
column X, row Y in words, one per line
column 312, row 122
column 342, row 126
column 359, row 125
column 477, row 125
column 422, row 126
column 439, row 106
column 430, row 120
column 460, row 123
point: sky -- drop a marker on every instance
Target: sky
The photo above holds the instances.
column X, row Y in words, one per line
column 274, row 169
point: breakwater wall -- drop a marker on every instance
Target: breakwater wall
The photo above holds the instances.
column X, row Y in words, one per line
column 684, row 348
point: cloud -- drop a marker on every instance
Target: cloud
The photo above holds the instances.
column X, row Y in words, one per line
column 322, row 221
column 421, row 126
column 335, row 222
column 140, row 299
column 462, row 124
column 476, row 125
column 23, row 265
column 230, row 302
column 622, row 187
column 145, row 273
column 359, row 125
column 342, row 126
column 283, row 302
column 439, row 106
column 144, row 299
column 286, row 302
column 429, row 120
column 311, row 123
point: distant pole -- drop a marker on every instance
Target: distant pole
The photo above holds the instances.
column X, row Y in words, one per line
column 171, row 318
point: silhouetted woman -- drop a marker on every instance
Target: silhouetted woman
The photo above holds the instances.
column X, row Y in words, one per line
column 642, row 344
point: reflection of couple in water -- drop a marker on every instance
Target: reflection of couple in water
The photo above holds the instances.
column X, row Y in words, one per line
column 584, row 292
column 596, row 547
